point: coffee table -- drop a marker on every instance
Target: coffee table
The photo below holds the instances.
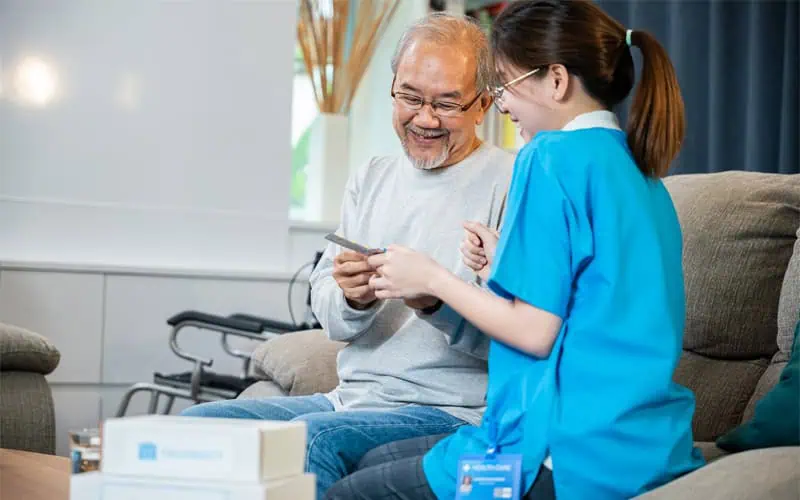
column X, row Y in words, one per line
column 32, row 476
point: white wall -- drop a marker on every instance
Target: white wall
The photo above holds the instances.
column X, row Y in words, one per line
column 144, row 169
column 164, row 141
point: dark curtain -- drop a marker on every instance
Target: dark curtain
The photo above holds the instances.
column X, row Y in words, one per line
column 737, row 64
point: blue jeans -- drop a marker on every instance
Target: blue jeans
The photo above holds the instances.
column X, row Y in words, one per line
column 336, row 439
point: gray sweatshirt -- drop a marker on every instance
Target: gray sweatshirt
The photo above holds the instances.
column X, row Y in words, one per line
column 396, row 355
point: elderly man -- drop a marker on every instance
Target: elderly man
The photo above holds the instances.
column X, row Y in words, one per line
column 412, row 368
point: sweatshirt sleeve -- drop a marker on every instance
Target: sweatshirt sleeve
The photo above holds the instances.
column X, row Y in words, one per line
column 462, row 335
column 340, row 321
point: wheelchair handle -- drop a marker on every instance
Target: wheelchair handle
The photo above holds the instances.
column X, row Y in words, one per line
column 173, row 344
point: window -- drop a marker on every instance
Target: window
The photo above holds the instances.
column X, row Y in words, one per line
column 304, row 112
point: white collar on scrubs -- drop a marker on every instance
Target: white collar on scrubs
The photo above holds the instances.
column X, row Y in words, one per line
column 594, row 119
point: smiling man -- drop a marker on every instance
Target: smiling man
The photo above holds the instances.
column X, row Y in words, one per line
column 412, row 368
column 430, row 138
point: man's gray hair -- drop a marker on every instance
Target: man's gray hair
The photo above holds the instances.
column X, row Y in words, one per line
column 450, row 30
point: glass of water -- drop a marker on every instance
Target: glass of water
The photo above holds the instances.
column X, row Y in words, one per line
column 84, row 447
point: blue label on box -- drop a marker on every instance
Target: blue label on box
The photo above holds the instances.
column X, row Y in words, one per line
column 489, row 478
column 147, row 451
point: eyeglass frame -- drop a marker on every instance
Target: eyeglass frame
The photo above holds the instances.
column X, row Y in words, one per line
column 433, row 102
column 497, row 92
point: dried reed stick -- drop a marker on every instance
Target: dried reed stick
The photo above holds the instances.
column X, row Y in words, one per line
column 334, row 69
column 376, row 31
column 339, row 38
column 304, row 28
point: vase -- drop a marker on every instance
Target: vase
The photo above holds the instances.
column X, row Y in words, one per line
column 328, row 167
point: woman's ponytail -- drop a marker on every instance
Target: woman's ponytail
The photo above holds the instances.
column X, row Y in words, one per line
column 656, row 122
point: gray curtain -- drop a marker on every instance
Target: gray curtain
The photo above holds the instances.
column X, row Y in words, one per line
column 737, row 64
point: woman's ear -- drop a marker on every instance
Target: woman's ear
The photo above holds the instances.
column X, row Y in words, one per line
column 559, row 76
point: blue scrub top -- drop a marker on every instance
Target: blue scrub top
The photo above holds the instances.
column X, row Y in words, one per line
column 590, row 239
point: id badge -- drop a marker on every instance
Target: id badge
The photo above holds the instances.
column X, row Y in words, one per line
column 489, row 478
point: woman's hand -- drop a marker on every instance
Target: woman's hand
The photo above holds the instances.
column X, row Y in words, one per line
column 478, row 248
column 403, row 273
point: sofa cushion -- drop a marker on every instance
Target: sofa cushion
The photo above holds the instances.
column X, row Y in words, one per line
column 771, row 474
column 722, row 389
column 788, row 311
column 738, row 234
column 263, row 389
column 789, row 304
column 26, row 351
column 765, row 384
column 776, row 421
column 301, row 363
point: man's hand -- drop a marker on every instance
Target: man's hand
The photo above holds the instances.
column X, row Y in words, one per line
column 352, row 273
column 478, row 248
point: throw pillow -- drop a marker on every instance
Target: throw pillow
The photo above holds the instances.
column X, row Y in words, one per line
column 776, row 420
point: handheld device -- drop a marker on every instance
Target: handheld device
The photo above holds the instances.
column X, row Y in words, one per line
column 351, row 245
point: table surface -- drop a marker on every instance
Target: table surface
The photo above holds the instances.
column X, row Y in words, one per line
column 32, row 476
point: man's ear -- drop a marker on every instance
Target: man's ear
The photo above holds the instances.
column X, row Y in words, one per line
column 485, row 103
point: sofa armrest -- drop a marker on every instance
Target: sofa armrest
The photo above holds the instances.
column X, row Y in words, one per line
column 301, row 363
column 27, row 414
column 765, row 474
column 26, row 351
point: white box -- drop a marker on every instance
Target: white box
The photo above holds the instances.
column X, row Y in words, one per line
column 209, row 449
column 102, row 486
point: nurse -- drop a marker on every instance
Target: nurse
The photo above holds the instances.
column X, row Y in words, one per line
column 586, row 309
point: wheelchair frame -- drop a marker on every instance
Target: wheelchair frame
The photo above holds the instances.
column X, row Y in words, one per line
column 201, row 384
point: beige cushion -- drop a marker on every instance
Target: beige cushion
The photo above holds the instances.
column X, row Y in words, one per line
column 789, row 305
column 738, row 234
column 765, row 384
column 301, row 363
column 262, row 390
column 769, row 474
column 788, row 315
column 721, row 388
column 26, row 351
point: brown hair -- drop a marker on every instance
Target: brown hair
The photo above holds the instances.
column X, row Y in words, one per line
column 592, row 46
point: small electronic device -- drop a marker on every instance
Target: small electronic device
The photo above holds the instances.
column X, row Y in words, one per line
column 351, row 245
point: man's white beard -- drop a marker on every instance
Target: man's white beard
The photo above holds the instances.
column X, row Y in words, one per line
column 428, row 164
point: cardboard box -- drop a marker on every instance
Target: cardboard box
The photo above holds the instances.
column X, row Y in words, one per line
column 102, row 486
column 209, row 449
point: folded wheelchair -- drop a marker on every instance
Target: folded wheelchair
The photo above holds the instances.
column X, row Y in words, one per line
column 201, row 384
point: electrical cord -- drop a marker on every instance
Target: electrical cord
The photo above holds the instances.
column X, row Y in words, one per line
column 291, row 285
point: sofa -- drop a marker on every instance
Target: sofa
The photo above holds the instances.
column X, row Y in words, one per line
column 27, row 414
column 741, row 261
